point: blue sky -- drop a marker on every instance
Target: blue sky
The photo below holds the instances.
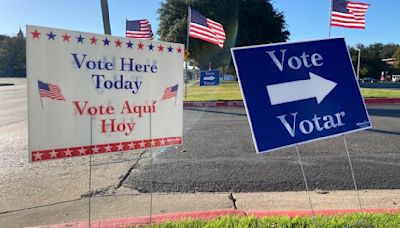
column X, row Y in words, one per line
column 306, row 19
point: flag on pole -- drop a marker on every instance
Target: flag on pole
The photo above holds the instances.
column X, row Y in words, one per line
column 139, row 29
column 170, row 92
column 348, row 14
column 206, row 29
column 50, row 91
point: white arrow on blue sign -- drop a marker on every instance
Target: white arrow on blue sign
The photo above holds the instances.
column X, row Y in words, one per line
column 210, row 78
column 296, row 93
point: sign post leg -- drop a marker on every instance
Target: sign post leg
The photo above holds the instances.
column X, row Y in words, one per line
column 90, row 172
column 352, row 173
column 151, row 169
column 305, row 180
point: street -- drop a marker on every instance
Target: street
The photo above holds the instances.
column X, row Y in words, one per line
column 220, row 156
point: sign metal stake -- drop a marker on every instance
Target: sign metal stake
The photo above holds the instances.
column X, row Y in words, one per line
column 90, row 170
column 352, row 173
column 151, row 169
column 305, row 180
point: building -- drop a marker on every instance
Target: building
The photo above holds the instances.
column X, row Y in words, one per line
column 20, row 34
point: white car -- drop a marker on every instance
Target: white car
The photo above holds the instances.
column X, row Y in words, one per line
column 395, row 78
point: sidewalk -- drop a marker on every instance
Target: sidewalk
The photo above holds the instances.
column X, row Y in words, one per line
column 134, row 208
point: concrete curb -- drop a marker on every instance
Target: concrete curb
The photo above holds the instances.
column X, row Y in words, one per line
column 240, row 103
column 213, row 104
column 206, row 215
column 382, row 100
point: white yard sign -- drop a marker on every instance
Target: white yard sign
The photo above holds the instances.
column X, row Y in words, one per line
column 92, row 94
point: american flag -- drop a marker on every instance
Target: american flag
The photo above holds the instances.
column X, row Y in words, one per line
column 348, row 14
column 206, row 29
column 50, row 91
column 170, row 92
column 139, row 29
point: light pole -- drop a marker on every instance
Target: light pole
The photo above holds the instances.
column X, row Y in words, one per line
column 106, row 17
column 358, row 63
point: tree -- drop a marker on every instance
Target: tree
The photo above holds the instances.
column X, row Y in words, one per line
column 12, row 54
column 246, row 22
column 371, row 58
column 396, row 57
column 388, row 50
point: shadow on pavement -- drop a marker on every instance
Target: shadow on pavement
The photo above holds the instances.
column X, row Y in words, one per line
column 384, row 112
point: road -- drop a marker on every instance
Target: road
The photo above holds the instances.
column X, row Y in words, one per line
column 380, row 85
column 219, row 157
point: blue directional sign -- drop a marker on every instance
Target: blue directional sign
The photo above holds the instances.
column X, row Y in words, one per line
column 209, row 78
column 299, row 92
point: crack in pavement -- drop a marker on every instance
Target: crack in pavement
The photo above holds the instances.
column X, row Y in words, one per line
column 110, row 190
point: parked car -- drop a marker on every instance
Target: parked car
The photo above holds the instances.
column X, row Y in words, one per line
column 395, row 78
column 369, row 79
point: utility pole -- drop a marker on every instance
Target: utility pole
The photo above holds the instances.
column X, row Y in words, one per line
column 358, row 63
column 106, row 17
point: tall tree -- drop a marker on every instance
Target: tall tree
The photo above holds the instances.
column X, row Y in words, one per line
column 396, row 57
column 371, row 58
column 246, row 22
column 12, row 54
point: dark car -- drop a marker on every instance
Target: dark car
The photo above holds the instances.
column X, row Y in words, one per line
column 369, row 79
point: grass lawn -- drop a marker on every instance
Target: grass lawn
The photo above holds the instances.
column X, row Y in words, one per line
column 380, row 93
column 229, row 91
column 347, row 220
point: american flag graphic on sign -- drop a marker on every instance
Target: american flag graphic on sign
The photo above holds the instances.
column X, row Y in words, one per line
column 170, row 92
column 348, row 14
column 139, row 29
column 206, row 29
column 50, row 91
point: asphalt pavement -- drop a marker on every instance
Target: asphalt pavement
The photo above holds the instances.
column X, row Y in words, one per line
column 220, row 157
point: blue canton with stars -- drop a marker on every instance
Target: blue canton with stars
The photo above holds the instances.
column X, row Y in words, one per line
column 340, row 6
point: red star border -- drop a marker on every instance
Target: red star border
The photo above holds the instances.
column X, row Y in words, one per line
column 35, row 34
column 66, row 37
column 93, row 40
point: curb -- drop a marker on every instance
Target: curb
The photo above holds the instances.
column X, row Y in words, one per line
column 382, row 100
column 207, row 215
column 213, row 104
column 240, row 103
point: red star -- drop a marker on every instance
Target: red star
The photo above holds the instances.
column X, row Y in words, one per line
column 118, row 43
column 93, row 40
column 160, row 48
column 179, row 50
column 35, row 34
column 66, row 37
column 140, row 45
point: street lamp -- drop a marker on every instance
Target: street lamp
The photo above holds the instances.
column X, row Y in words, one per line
column 106, row 17
column 358, row 63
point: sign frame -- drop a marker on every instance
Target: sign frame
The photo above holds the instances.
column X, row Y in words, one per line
column 118, row 83
column 245, row 102
column 215, row 82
